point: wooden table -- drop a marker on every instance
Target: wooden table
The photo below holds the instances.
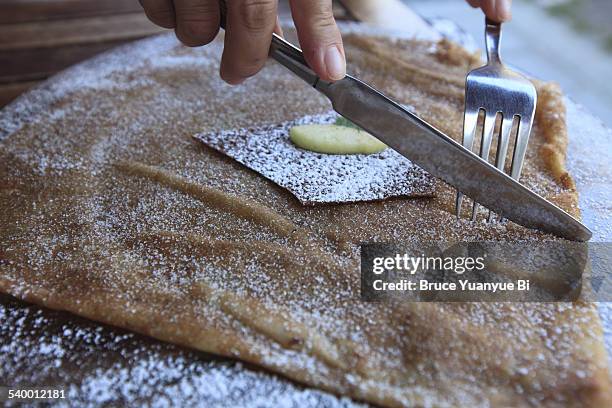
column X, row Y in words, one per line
column 39, row 38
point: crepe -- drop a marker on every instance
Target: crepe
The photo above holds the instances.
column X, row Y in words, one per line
column 112, row 211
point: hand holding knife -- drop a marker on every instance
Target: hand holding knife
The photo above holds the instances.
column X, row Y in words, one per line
column 430, row 149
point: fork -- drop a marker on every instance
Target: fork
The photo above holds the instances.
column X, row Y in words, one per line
column 498, row 91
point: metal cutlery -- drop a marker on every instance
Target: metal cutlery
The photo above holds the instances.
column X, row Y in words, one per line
column 503, row 94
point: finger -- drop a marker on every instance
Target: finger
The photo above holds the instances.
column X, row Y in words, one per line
column 488, row 6
column 278, row 29
column 319, row 38
column 497, row 10
column 504, row 10
column 474, row 3
column 160, row 12
column 197, row 21
column 248, row 34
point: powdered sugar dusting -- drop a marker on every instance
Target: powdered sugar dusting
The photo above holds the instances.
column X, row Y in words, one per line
column 98, row 74
column 320, row 178
column 42, row 347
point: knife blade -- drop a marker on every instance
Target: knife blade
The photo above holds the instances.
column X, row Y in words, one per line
column 431, row 149
column 441, row 156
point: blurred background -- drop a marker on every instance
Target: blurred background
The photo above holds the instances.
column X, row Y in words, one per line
column 568, row 41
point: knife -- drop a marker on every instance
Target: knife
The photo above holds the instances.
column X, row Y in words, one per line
column 431, row 149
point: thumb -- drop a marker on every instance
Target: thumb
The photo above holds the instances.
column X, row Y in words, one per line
column 319, row 38
column 496, row 10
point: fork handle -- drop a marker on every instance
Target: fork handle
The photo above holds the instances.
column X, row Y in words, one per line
column 492, row 39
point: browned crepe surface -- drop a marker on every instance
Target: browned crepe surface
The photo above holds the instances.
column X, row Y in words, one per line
column 110, row 210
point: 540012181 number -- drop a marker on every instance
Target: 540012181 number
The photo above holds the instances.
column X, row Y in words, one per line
column 25, row 394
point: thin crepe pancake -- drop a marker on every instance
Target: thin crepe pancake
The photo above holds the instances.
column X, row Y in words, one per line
column 112, row 211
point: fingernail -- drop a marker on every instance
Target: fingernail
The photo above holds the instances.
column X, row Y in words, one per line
column 233, row 81
column 334, row 63
column 503, row 10
column 226, row 78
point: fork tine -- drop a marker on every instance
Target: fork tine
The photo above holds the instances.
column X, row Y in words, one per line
column 458, row 202
column 487, row 137
column 502, row 147
column 470, row 123
column 522, row 138
column 504, row 141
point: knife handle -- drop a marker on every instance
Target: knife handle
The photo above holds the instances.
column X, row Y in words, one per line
column 282, row 51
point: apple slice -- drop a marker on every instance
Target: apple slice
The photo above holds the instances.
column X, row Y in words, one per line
column 335, row 139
